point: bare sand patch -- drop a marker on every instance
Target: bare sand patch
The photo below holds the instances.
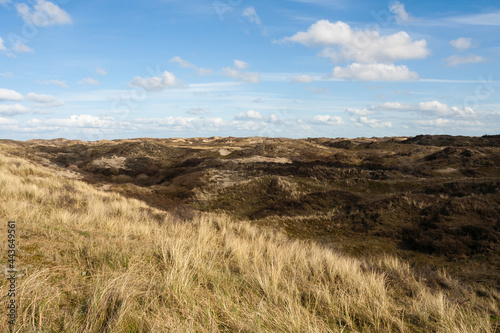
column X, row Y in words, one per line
column 257, row 159
column 447, row 170
column 111, row 162
column 224, row 152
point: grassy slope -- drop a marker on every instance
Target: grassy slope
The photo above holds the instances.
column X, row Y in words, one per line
column 94, row 261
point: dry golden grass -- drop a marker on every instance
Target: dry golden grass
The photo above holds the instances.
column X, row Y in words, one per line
column 94, row 261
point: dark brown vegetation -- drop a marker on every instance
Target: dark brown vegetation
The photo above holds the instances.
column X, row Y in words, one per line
column 432, row 200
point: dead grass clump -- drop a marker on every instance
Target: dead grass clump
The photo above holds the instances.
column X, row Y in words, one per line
column 121, row 179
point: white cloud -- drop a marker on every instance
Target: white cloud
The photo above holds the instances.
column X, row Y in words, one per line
column 462, row 43
column 8, row 121
column 101, row 71
column 242, row 76
column 315, row 90
column 491, row 18
column 13, row 109
column 360, row 46
column 44, row 13
column 249, row 115
column 6, row 74
column 399, row 11
column 83, row 120
column 374, row 123
column 274, row 119
column 433, row 107
column 393, row 106
column 328, row 120
column 253, row 121
column 59, row 83
column 19, row 47
column 251, row 15
column 10, row 95
column 465, row 112
column 4, row 2
column 302, row 79
column 186, row 64
column 240, row 64
column 179, row 123
column 198, row 111
column 443, row 109
column 456, row 60
column 156, row 83
column 47, row 100
column 442, row 122
column 182, row 63
column 40, row 98
column 204, row 71
column 374, row 72
column 89, row 80
column 2, row 47
column 359, row 112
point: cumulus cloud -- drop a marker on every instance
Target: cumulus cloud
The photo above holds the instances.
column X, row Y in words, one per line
column 374, row 72
column 10, row 95
column 95, row 125
column 179, row 123
column 393, row 106
column 156, row 83
column 431, row 107
column 248, row 77
column 328, row 120
column 186, row 64
column 44, row 13
column 374, row 123
column 13, row 109
column 359, row 112
column 8, row 121
column 360, row 46
column 254, row 120
column 251, row 15
column 101, row 71
column 274, row 119
column 455, row 60
column 83, row 121
column 249, row 115
column 90, row 81
column 240, row 64
column 442, row 122
column 462, row 43
column 59, row 83
column 198, row 111
column 444, row 109
column 302, row 79
column 399, row 11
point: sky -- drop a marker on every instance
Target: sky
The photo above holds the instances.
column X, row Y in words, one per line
column 109, row 69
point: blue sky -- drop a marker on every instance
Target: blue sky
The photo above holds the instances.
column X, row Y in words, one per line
column 113, row 69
